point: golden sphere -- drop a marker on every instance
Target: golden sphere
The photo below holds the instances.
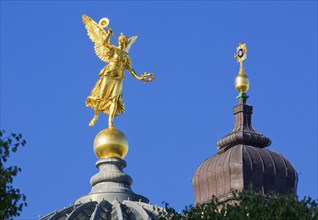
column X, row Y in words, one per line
column 110, row 142
column 242, row 83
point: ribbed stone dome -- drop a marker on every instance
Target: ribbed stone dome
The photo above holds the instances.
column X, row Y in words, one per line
column 105, row 210
column 110, row 198
column 243, row 163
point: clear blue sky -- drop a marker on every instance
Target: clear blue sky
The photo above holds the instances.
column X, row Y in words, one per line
column 48, row 68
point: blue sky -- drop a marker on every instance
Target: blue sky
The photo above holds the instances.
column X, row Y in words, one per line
column 48, row 68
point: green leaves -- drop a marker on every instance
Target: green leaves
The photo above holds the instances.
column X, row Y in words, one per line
column 11, row 199
column 248, row 205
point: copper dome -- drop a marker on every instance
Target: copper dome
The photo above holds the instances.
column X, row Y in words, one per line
column 242, row 163
column 242, row 167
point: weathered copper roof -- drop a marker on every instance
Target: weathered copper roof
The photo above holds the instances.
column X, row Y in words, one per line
column 241, row 167
column 243, row 162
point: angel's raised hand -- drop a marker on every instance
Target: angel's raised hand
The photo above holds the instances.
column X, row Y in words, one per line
column 148, row 77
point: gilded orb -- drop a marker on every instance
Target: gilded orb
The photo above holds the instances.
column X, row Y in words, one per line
column 110, row 142
column 242, row 83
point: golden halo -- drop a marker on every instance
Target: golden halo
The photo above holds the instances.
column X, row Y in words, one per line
column 104, row 22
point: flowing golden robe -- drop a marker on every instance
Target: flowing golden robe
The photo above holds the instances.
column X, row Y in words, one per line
column 108, row 88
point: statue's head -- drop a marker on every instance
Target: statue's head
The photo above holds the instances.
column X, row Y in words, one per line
column 123, row 41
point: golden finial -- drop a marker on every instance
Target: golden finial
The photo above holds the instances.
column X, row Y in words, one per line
column 241, row 81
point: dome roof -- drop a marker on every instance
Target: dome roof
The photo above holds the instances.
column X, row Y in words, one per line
column 241, row 167
column 111, row 197
column 105, row 210
column 242, row 163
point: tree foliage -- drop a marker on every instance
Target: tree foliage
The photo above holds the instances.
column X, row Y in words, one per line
column 11, row 199
column 248, row 205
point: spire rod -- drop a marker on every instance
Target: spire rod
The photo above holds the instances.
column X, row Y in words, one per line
column 241, row 81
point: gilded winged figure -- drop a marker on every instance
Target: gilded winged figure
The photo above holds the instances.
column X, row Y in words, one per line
column 106, row 95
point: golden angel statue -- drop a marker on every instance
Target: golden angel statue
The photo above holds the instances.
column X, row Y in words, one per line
column 106, row 95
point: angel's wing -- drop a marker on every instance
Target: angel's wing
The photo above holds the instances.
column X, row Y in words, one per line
column 131, row 41
column 98, row 35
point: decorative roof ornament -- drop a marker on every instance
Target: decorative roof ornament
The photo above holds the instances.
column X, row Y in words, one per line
column 110, row 144
column 243, row 131
column 106, row 96
column 241, row 81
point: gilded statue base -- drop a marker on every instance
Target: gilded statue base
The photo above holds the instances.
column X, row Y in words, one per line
column 110, row 142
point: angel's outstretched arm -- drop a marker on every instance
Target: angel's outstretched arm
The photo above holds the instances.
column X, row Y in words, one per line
column 107, row 39
column 133, row 73
column 146, row 77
